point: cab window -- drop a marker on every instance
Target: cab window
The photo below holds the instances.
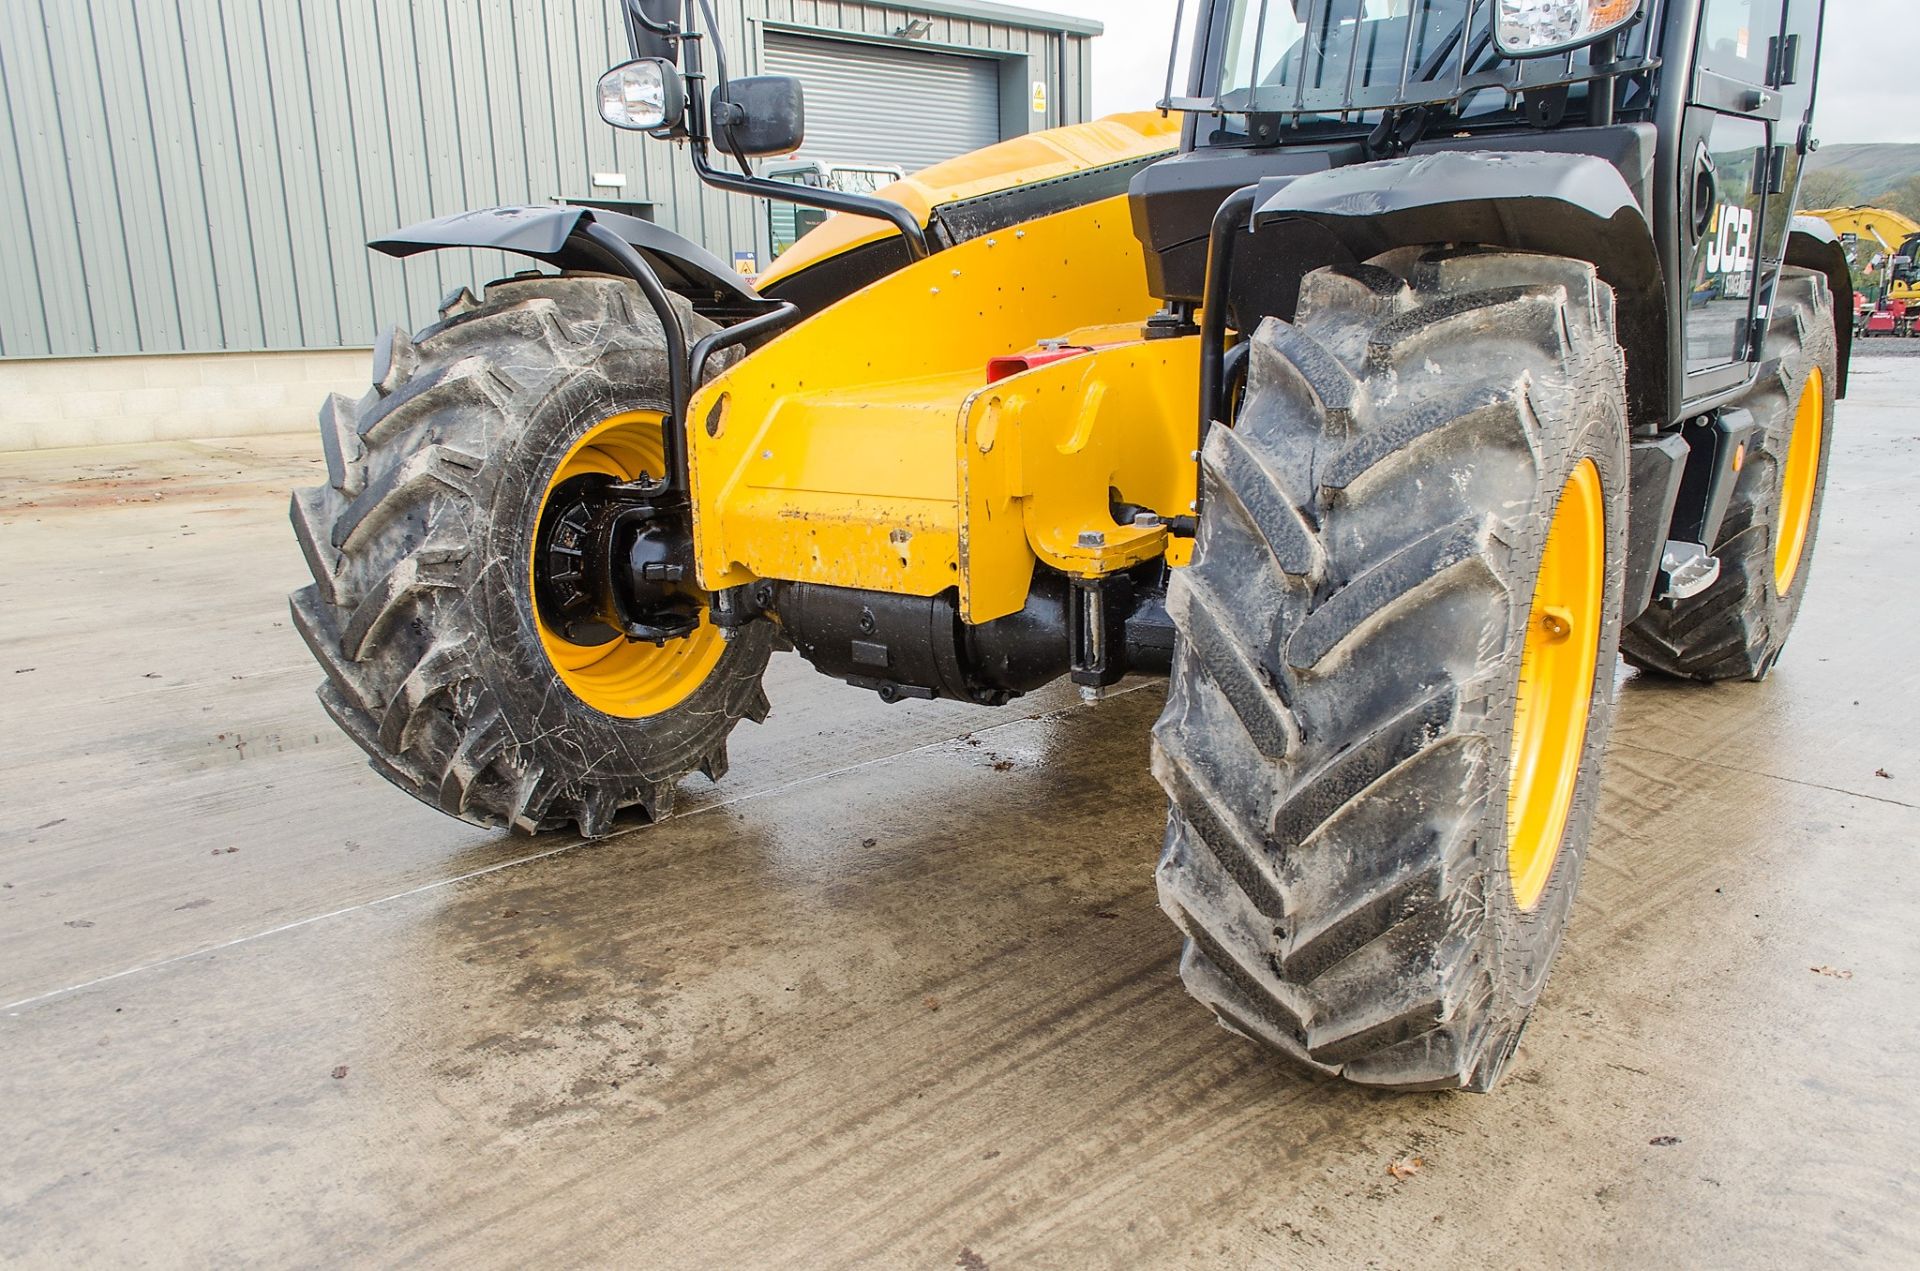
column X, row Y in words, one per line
column 1734, row 35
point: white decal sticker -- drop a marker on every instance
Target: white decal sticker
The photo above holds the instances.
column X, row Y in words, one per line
column 1730, row 245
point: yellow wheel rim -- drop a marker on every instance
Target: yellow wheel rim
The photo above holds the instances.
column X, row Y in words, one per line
column 1800, row 480
column 1554, row 699
column 620, row 678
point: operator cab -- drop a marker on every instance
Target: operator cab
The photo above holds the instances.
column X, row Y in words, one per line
column 1703, row 107
column 1287, row 88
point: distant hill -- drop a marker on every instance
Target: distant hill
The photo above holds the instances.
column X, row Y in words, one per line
column 1876, row 169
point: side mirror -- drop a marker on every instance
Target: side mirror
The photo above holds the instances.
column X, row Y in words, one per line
column 760, row 115
column 644, row 95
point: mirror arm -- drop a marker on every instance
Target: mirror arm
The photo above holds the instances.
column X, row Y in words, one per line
column 700, row 131
column 831, row 200
column 696, row 81
column 638, row 23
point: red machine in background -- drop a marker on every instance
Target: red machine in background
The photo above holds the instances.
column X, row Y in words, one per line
column 1897, row 318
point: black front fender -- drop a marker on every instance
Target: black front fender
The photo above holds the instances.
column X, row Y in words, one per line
column 550, row 233
column 1562, row 204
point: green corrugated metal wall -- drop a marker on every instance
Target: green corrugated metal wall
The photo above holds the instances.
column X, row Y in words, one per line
column 200, row 175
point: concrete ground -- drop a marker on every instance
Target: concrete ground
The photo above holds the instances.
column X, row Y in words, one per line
column 896, row 993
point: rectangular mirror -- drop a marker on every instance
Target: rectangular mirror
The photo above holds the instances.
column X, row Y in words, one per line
column 765, row 116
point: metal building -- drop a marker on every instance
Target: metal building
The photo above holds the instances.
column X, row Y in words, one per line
column 200, row 175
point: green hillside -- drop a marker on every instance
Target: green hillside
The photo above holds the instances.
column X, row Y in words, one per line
column 1883, row 175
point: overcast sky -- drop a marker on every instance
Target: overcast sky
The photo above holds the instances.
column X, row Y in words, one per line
column 1867, row 92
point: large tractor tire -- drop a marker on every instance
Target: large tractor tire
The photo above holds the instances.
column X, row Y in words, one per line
column 1737, row 628
column 423, row 607
column 1394, row 682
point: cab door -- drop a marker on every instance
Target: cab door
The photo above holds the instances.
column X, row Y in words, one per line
column 1792, row 72
column 1728, row 160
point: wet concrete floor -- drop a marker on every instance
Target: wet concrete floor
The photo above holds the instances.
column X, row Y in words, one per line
column 896, row 993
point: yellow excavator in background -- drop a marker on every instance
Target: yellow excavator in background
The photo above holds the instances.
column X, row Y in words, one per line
column 1869, row 233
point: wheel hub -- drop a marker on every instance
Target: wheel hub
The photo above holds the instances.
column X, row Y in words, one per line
column 621, row 618
column 609, row 563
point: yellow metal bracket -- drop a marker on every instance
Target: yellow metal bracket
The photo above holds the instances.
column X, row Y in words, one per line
column 1043, row 452
column 849, row 451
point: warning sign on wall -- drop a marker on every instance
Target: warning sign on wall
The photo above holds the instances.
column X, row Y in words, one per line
column 1039, row 97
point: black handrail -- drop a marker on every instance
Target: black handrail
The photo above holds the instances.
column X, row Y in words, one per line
column 636, row 267
column 739, row 333
column 1234, row 216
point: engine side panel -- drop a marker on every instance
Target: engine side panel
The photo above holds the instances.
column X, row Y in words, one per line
column 1032, row 160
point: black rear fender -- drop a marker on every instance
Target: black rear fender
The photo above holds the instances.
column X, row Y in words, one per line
column 550, row 234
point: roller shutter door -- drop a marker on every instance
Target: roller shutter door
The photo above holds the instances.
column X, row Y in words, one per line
column 876, row 104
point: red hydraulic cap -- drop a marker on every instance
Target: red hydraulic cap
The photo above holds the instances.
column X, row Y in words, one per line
column 1001, row 367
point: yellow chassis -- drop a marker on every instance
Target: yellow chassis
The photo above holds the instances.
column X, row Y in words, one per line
column 867, row 448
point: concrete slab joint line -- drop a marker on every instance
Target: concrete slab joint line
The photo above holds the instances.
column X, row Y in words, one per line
column 1770, row 776
column 13, row 1008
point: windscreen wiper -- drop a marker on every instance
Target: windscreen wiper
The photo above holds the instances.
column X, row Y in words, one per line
column 1402, row 127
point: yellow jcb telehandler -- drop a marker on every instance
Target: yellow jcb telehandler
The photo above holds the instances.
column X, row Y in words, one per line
column 1420, row 358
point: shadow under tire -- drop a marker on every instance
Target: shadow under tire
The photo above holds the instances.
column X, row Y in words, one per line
column 1737, row 628
column 1340, row 723
column 421, row 546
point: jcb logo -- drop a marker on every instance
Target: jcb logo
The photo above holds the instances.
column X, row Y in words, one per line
column 1730, row 242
